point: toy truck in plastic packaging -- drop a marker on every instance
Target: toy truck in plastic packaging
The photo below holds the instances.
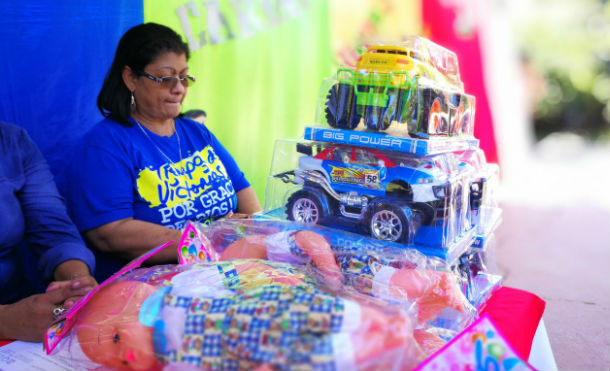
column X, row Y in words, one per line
column 416, row 84
column 389, row 195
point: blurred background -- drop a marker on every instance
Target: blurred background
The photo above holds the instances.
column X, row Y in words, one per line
column 564, row 59
column 540, row 71
column 554, row 239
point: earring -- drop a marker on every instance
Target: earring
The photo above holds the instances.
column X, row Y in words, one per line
column 133, row 102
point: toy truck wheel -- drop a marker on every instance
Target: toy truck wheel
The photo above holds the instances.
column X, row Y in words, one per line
column 390, row 113
column 374, row 118
column 435, row 117
column 380, row 118
column 354, row 119
column 341, row 107
column 389, row 223
column 305, row 207
column 371, row 117
column 402, row 106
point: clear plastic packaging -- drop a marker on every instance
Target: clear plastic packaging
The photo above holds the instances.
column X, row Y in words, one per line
column 236, row 315
column 477, row 267
column 371, row 267
column 329, row 300
column 411, row 89
column 484, row 209
column 417, row 201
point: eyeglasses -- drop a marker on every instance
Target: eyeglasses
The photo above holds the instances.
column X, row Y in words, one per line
column 169, row 82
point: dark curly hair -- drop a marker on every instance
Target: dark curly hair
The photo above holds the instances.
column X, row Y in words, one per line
column 138, row 47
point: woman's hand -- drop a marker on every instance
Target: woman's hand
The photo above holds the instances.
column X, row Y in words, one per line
column 29, row 318
column 72, row 273
column 232, row 215
column 80, row 282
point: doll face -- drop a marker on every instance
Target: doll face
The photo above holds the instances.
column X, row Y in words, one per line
column 108, row 329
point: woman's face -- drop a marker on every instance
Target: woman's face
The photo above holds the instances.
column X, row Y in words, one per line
column 158, row 101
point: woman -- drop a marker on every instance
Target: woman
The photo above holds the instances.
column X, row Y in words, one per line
column 33, row 218
column 145, row 171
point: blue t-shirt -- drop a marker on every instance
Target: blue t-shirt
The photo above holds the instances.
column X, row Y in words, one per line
column 32, row 215
column 123, row 172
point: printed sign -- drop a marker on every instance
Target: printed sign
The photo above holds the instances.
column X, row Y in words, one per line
column 480, row 347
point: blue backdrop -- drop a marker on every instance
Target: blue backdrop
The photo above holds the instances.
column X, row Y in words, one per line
column 54, row 56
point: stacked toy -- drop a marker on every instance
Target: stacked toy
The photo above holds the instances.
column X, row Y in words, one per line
column 393, row 156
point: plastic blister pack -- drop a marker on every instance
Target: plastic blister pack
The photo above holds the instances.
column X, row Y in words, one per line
column 477, row 267
column 235, row 315
column 485, row 211
column 418, row 201
column 342, row 259
column 321, row 299
column 411, row 89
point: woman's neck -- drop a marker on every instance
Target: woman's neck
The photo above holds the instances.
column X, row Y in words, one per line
column 164, row 128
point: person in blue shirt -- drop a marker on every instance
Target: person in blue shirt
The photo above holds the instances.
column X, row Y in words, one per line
column 145, row 171
column 33, row 216
column 198, row 115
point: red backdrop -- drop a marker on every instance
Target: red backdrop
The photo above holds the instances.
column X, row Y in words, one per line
column 453, row 24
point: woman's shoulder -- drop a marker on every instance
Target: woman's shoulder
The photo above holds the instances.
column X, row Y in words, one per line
column 11, row 133
column 8, row 129
column 105, row 130
column 15, row 143
column 107, row 137
column 193, row 125
column 194, row 128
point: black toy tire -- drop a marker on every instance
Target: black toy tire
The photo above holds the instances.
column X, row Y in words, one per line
column 387, row 222
column 340, row 107
column 305, row 207
column 373, row 117
column 389, row 113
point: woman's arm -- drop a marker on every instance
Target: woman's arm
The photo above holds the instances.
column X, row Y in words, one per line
column 131, row 238
column 71, row 272
column 247, row 202
column 71, row 269
column 49, row 231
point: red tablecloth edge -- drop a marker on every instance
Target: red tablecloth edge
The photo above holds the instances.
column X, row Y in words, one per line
column 516, row 313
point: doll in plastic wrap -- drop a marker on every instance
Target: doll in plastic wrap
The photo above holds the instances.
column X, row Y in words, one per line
column 239, row 315
column 369, row 272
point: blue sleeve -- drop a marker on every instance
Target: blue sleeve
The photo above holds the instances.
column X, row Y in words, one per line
column 49, row 231
column 237, row 176
column 100, row 187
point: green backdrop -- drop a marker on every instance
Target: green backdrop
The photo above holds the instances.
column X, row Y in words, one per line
column 259, row 67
